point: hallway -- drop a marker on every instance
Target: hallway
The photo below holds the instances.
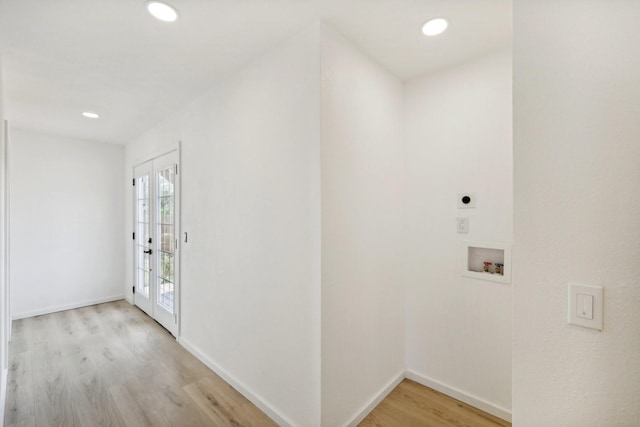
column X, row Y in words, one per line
column 110, row 364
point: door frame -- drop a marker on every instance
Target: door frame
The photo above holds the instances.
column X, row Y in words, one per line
column 178, row 213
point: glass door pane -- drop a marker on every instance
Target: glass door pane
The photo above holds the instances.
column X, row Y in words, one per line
column 165, row 205
column 143, row 239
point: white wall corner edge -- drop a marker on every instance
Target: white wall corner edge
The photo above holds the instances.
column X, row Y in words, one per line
column 265, row 407
column 377, row 398
column 129, row 299
column 3, row 394
column 65, row 307
column 469, row 399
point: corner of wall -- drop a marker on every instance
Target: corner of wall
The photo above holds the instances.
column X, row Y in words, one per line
column 376, row 399
column 475, row 401
column 361, row 140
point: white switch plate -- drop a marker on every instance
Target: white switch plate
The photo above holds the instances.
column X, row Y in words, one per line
column 585, row 306
column 462, row 224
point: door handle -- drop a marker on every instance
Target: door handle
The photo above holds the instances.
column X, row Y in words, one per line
column 148, row 252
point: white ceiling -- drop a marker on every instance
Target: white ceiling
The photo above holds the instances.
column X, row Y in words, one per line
column 62, row 57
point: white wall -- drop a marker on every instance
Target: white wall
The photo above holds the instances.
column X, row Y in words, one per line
column 66, row 222
column 251, row 205
column 577, row 204
column 458, row 139
column 5, row 322
column 362, row 230
column 294, row 170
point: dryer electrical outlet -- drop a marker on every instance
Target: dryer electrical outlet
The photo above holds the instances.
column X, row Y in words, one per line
column 466, row 200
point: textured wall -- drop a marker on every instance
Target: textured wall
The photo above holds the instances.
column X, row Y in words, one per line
column 5, row 322
column 577, row 204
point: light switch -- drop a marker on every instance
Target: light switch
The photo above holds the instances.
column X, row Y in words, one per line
column 585, row 306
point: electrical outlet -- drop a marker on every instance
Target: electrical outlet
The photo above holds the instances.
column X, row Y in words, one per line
column 462, row 224
column 466, row 200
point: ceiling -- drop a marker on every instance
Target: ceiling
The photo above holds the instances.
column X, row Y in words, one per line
column 63, row 57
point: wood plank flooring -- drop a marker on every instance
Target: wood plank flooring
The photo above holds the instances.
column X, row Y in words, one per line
column 413, row 405
column 111, row 365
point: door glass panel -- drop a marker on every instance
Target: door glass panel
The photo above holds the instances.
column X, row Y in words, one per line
column 142, row 235
column 166, row 238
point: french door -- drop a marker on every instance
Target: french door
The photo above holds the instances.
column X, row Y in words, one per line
column 156, row 218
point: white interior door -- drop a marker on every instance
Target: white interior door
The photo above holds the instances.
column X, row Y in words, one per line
column 156, row 216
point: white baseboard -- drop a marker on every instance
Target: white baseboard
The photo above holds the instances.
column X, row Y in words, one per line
column 3, row 394
column 129, row 300
column 467, row 398
column 55, row 309
column 280, row 419
column 377, row 398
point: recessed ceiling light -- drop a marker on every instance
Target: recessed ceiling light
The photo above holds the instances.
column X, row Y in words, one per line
column 162, row 11
column 91, row 115
column 435, row 26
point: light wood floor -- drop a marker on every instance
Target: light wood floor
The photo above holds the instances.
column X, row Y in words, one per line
column 413, row 405
column 111, row 365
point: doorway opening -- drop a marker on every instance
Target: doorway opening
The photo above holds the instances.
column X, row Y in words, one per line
column 155, row 239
